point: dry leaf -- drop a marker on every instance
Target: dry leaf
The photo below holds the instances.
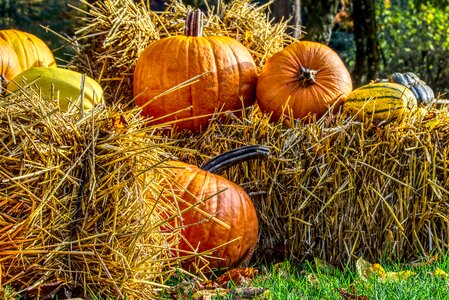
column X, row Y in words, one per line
column 251, row 292
column 397, row 276
column 431, row 260
column 209, row 294
column 440, row 273
column 312, row 280
column 239, row 276
column 348, row 296
column 365, row 269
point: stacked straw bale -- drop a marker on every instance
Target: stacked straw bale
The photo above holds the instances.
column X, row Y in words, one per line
column 76, row 208
column 340, row 188
column 117, row 31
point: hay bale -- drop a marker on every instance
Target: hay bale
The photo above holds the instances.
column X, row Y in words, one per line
column 340, row 188
column 116, row 32
column 76, row 209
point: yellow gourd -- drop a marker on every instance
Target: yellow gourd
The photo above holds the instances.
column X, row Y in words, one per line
column 61, row 84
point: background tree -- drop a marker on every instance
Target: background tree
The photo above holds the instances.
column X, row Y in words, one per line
column 367, row 49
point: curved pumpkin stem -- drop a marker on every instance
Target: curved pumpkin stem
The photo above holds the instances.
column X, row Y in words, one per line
column 230, row 158
column 194, row 23
column 307, row 76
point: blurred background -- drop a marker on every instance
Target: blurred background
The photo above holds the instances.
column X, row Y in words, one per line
column 374, row 37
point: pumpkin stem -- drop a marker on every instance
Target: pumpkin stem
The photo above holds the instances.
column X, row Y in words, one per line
column 307, row 76
column 230, row 158
column 194, row 23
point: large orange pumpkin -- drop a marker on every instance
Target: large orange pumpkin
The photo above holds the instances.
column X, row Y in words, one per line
column 302, row 80
column 218, row 215
column 31, row 50
column 228, row 68
column 9, row 62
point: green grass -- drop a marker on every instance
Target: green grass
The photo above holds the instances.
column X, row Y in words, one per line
column 308, row 282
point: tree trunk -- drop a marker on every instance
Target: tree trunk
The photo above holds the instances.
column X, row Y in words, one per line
column 367, row 54
column 288, row 9
column 318, row 19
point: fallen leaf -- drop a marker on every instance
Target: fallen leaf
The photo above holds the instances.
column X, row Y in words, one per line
column 379, row 270
column 398, row 276
column 431, row 260
column 250, row 292
column 209, row 294
column 440, row 273
column 364, row 269
column 348, row 296
column 239, row 276
column 312, row 280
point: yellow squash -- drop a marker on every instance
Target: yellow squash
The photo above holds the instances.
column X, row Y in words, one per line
column 61, row 84
column 380, row 101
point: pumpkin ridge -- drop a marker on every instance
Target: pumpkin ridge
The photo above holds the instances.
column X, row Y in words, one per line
column 229, row 203
column 242, row 212
column 239, row 71
column 206, row 202
column 184, row 183
column 217, row 99
column 23, row 55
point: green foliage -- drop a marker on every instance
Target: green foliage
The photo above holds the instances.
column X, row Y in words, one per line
column 416, row 39
column 310, row 281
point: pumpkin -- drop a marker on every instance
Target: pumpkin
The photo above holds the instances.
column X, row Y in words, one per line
column 302, row 80
column 31, row 50
column 380, row 101
column 9, row 62
column 61, row 84
column 226, row 70
column 423, row 93
column 218, row 214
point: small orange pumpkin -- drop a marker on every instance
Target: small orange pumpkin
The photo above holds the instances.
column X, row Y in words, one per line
column 30, row 50
column 229, row 76
column 218, row 214
column 304, row 79
column 9, row 62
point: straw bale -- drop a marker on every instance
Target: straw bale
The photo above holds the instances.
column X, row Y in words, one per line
column 339, row 188
column 115, row 33
column 77, row 211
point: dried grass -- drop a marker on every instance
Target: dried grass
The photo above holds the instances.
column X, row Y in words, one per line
column 76, row 209
column 339, row 188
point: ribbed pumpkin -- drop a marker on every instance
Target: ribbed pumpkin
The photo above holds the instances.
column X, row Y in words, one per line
column 223, row 220
column 380, row 101
column 9, row 62
column 306, row 78
column 31, row 50
column 171, row 61
column 62, row 84
column 423, row 93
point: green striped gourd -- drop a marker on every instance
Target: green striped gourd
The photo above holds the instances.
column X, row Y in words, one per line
column 380, row 101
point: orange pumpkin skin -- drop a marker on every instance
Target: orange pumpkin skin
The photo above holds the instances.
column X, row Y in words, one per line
column 9, row 62
column 305, row 78
column 174, row 60
column 31, row 51
column 232, row 206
